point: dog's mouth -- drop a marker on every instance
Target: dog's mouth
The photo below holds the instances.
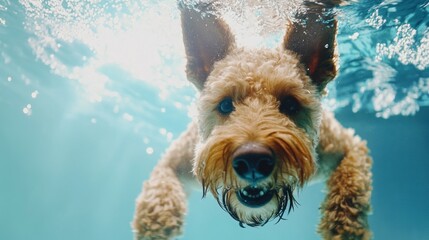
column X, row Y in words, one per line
column 258, row 197
column 254, row 197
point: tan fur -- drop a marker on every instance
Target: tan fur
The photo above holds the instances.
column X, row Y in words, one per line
column 347, row 204
column 307, row 145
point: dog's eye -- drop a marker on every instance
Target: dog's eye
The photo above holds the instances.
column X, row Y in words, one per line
column 289, row 106
column 225, row 107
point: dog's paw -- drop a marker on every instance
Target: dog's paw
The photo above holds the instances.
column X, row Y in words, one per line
column 160, row 208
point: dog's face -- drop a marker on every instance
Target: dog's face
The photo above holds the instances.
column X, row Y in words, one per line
column 259, row 115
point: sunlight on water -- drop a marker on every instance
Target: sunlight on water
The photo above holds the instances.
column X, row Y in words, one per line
column 127, row 56
column 384, row 59
column 257, row 23
column 103, row 34
column 405, row 48
column 79, row 40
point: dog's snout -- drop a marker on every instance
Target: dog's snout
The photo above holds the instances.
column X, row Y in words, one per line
column 253, row 162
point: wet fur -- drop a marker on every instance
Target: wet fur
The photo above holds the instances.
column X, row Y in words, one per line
column 308, row 144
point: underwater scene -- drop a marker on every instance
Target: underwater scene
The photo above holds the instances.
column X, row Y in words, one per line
column 92, row 92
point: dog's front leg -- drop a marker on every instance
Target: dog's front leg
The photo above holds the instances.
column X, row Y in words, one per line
column 161, row 206
column 347, row 203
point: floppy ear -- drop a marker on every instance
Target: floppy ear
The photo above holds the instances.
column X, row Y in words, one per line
column 207, row 39
column 313, row 39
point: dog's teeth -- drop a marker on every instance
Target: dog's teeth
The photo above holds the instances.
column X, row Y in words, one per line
column 254, row 192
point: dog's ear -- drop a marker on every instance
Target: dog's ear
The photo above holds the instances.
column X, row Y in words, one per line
column 312, row 37
column 207, row 39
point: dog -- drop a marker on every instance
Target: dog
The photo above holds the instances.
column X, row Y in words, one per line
column 260, row 131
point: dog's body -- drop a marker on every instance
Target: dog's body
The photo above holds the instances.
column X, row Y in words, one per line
column 260, row 132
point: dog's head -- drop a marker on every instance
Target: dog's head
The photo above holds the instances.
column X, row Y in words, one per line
column 259, row 110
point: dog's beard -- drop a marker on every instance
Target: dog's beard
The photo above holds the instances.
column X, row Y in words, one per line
column 281, row 201
column 295, row 164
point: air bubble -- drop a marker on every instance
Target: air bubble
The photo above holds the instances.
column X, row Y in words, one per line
column 35, row 94
column 354, row 36
column 149, row 151
column 27, row 110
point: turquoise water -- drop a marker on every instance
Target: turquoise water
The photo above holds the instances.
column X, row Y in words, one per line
column 92, row 93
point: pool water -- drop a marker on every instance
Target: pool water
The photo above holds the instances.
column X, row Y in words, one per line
column 92, row 92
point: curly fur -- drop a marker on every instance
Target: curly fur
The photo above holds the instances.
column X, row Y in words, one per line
column 307, row 144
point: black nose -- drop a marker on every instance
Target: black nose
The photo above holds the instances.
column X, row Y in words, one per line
column 253, row 162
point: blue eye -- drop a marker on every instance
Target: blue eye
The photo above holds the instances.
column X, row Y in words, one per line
column 225, row 107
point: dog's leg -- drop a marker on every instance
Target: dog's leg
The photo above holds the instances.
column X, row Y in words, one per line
column 347, row 204
column 161, row 206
